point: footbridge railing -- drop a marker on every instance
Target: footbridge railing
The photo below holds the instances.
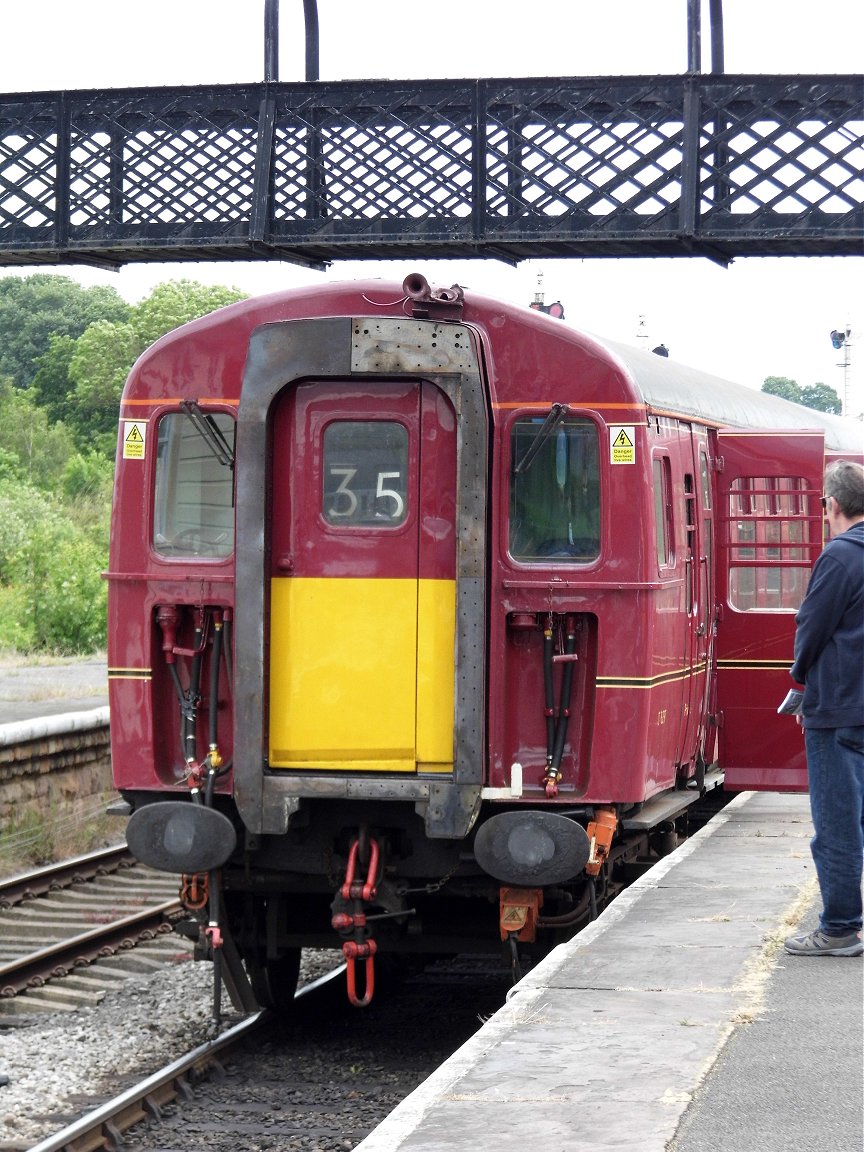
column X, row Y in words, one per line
column 715, row 165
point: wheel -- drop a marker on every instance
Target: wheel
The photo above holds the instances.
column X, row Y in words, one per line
column 274, row 982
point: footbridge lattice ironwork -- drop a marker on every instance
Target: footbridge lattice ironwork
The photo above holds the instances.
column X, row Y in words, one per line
column 714, row 165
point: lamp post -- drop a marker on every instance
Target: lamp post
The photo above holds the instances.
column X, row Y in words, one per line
column 538, row 305
column 841, row 339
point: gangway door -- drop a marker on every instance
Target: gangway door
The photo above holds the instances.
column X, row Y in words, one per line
column 770, row 533
column 362, row 582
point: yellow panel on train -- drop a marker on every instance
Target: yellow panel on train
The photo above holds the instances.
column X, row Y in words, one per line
column 436, row 675
column 344, row 675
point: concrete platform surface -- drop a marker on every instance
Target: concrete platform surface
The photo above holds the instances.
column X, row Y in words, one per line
column 31, row 691
column 674, row 1023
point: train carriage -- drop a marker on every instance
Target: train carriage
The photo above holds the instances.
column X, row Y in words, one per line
column 430, row 617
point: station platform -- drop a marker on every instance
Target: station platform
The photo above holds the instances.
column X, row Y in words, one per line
column 674, row 1023
column 32, row 691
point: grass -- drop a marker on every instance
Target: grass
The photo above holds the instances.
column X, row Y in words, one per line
column 38, row 838
column 12, row 659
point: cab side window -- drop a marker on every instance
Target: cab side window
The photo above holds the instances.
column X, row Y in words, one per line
column 193, row 503
column 664, row 536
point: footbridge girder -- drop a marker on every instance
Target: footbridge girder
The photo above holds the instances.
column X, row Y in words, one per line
column 714, row 165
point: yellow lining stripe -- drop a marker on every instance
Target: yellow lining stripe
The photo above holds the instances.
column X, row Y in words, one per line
column 755, row 665
column 650, row 681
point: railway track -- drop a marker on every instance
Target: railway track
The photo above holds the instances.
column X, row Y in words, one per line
column 322, row 1080
column 269, row 1096
column 69, row 932
column 104, row 1125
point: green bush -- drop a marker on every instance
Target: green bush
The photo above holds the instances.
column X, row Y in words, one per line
column 16, row 633
column 88, row 475
column 21, row 507
column 58, row 587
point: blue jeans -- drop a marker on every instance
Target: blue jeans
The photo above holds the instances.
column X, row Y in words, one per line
column 835, row 765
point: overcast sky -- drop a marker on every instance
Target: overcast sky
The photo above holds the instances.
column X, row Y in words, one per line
column 758, row 318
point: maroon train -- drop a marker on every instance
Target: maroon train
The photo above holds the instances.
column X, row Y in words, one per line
column 431, row 616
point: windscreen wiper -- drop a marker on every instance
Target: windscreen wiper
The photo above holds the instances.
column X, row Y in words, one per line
column 556, row 415
column 209, row 431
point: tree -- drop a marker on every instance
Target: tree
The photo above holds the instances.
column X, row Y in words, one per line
column 782, row 386
column 822, row 398
column 87, row 476
column 51, row 382
column 105, row 353
column 41, row 449
column 97, row 371
column 35, row 308
column 21, row 507
column 176, row 302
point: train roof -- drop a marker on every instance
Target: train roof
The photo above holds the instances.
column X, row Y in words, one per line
column 662, row 384
column 667, row 386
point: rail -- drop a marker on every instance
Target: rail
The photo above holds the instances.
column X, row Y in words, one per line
column 61, row 957
column 714, row 165
column 26, row 885
column 103, row 1126
column 61, row 918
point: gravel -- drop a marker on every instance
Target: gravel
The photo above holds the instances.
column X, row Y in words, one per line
column 57, row 1062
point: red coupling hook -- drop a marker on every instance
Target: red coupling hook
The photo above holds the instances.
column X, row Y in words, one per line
column 352, row 890
column 352, row 951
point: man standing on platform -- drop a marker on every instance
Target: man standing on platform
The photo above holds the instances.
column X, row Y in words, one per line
column 829, row 662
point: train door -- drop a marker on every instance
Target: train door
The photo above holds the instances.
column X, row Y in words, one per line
column 770, row 531
column 699, row 599
column 362, row 578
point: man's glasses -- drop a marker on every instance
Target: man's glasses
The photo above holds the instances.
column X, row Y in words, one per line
column 824, row 501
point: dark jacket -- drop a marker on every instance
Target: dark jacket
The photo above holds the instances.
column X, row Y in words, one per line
column 829, row 635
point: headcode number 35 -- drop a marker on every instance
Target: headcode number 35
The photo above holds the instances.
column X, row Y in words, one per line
column 345, row 501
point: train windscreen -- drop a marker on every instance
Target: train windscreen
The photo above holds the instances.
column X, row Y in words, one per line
column 554, row 491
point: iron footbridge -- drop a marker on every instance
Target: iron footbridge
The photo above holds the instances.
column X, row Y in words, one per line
column 713, row 165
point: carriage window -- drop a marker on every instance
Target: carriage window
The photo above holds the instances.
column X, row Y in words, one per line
column 365, row 473
column 193, row 513
column 663, row 510
column 706, row 481
column 769, row 554
column 555, row 491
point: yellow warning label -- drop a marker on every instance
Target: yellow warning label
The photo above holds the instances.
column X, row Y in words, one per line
column 622, row 444
column 134, row 439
